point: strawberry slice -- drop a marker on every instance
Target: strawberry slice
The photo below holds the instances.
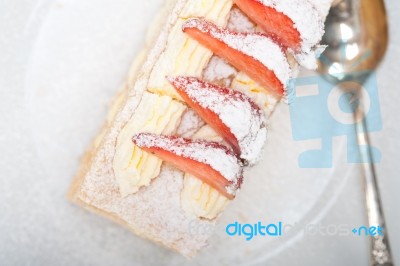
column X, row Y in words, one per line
column 232, row 114
column 296, row 24
column 276, row 24
column 211, row 162
column 253, row 53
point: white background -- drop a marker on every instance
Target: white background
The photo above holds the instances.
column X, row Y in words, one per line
column 60, row 63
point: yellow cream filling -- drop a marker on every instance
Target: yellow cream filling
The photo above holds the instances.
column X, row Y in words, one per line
column 134, row 168
column 257, row 93
column 157, row 112
column 198, row 198
column 182, row 55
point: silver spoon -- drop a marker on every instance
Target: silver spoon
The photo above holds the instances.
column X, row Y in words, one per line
column 357, row 36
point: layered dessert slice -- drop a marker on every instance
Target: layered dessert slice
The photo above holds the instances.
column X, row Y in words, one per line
column 179, row 139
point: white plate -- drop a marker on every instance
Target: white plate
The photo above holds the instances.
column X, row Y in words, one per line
column 79, row 58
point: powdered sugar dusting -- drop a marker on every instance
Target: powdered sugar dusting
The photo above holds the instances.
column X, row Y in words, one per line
column 190, row 123
column 256, row 45
column 240, row 22
column 322, row 6
column 217, row 156
column 236, row 110
column 218, row 71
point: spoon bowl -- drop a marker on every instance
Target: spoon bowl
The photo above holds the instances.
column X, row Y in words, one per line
column 357, row 37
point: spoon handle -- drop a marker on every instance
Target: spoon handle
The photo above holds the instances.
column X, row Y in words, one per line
column 380, row 250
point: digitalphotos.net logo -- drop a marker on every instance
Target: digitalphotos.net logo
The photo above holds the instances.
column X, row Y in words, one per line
column 262, row 229
column 321, row 110
column 250, row 231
